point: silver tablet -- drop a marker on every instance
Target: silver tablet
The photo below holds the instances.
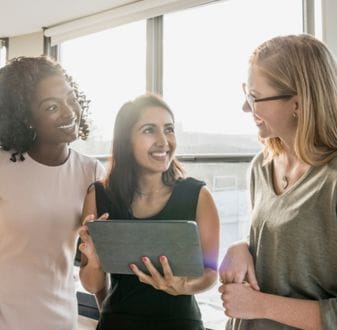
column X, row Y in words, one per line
column 119, row 243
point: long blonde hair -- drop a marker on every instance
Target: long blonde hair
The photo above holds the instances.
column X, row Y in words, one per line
column 303, row 65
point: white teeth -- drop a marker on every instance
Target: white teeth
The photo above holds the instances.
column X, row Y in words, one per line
column 67, row 126
column 159, row 154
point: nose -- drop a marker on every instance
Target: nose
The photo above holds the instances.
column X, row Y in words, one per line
column 246, row 107
column 68, row 111
column 161, row 139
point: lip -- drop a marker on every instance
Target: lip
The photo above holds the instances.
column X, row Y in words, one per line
column 67, row 125
column 258, row 121
column 159, row 155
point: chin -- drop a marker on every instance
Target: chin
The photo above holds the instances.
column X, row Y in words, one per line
column 68, row 139
column 263, row 134
column 158, row 169
column 72, row 137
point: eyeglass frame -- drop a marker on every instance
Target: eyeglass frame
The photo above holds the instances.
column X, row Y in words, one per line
column 251, row 99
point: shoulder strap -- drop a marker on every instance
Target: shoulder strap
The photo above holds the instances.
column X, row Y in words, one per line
column 102, row 200
column 184, row 202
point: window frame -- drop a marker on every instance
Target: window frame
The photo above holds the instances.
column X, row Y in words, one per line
column 155, row 42
column 4, row 43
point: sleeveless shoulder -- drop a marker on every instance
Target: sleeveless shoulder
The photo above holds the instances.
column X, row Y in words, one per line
column 102, row 200
column 189, row 185
column 184, row 201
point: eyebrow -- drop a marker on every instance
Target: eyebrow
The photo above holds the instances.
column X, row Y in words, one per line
column 53, row 98
column 244, row 86
column 153, row 125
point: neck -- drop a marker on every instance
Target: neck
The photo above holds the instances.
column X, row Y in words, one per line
column 51, row 155
column 289, row 155
column 150, row 184
column 289, row 168
column 290, row 159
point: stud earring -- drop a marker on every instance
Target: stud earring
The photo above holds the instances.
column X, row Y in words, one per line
column 32, row 132
column 295, row 115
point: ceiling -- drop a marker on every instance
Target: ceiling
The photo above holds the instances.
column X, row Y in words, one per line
column 19, row 17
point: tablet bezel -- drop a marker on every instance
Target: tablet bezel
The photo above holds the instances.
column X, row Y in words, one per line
column 119, row 243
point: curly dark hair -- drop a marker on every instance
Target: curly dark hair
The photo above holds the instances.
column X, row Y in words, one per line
column 18, row 81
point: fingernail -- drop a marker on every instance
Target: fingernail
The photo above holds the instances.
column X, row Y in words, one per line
column 132, row 266
column 145, row 259
column 163, row 258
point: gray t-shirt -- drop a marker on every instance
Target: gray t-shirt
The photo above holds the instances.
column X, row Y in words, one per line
column 293, row 239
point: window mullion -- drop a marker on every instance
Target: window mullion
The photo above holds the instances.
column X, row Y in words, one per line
column 309, row 16
column 3, row 51
column 154, row 55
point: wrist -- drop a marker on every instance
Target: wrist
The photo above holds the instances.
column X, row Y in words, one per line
column 264, row 305
column 240, row 243
column 185, row 288
column 95, row 265
column 239, row 246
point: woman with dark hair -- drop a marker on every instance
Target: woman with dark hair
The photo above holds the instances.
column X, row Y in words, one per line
column 147, row 182
column 42, row 187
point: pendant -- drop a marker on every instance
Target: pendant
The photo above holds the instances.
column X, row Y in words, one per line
column 284, row 182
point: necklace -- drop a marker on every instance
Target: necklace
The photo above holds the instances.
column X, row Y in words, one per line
column 285, row 182
column 148, row 193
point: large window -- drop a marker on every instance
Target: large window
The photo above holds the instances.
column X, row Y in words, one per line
column 110, row 68
column 206, row 51
column 205, row 56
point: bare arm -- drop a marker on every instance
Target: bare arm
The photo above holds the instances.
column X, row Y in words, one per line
column 92, row 276
column 241, row 301
column 208, row 221
column 238, row 265
column 298, row 313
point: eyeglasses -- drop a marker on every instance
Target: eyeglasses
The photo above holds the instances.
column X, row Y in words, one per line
column 251, row 99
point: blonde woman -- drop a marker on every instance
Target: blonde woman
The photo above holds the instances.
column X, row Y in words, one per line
column 285, row 276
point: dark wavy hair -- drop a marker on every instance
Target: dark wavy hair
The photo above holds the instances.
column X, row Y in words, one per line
column 122, row 181
column 18, row 81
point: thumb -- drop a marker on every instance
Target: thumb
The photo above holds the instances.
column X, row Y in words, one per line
column 82, row 248
column 88, row 218
column 104, row 216
column 252, row 278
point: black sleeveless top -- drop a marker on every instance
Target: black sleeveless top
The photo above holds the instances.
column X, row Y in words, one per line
column 133, row 305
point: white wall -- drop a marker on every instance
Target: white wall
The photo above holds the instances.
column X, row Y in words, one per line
column 26, row 45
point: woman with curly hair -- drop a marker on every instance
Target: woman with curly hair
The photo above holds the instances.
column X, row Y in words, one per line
column 43, row 183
